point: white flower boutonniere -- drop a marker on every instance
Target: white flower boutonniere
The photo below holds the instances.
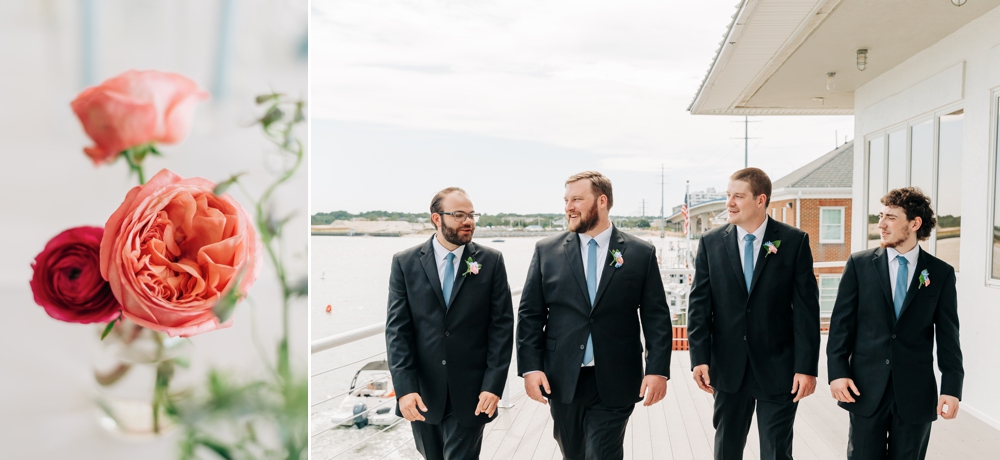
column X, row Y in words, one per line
column 471, row 266
column 618, row 259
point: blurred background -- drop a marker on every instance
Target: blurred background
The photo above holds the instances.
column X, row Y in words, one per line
column 51, row 50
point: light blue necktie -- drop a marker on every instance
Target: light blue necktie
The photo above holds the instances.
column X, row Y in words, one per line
column 449, row 278
column 748, row 259
column 588, row 353
column 900, row 295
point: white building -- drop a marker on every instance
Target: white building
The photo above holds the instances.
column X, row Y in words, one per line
column 922, row 79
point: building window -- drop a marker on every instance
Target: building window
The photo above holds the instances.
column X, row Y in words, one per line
column 926, row 154
column 828, row 285
column 831, row 225
column 995, row 228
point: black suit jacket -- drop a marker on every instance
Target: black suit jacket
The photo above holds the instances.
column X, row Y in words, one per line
column 776, row 325
column 457, row 352
column 555, row 318
column 867, row 343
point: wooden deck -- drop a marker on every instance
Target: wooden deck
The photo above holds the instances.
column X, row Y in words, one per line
column 680, row 427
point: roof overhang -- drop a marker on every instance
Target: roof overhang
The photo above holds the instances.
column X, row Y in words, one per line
column 776, row 54
column 791, row 193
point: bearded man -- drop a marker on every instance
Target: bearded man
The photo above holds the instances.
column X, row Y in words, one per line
column 449, row 332
column 578, row 325
column 893, row 302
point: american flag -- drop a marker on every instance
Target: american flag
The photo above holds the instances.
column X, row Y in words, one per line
column 684, row 210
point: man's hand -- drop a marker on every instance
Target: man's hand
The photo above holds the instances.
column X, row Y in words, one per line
column 803, row 385
column 487, row 403
column 654, row 388
column 531, row 383
column 701, row 378
column 952, row 403
column 839, row 389
column 408, row 405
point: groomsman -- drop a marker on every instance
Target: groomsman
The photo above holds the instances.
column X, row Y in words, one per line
column 893, row 302
column 578, row 325
column 753, row 321
column 449, row 332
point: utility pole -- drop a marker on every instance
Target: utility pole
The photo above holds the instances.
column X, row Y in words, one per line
column 643, row 208
column 663, row 221
column 746, row 140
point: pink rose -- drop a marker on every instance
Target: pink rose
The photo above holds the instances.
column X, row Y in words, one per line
column 474, row 268
column 67, row 280
column 173, row 249
column 136, row 108
column 772, row 249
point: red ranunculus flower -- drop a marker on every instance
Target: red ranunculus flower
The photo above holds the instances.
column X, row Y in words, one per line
column 67, row 281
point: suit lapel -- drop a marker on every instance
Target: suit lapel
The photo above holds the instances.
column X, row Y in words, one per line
column 770, row 234
column 733, row 249
column 469, row 251
column 881, row 267
column 911, row 292
column 617, row 243
column 430, row 268
column 571, row 247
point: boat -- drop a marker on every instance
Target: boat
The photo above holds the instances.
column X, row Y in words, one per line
column 371, row 399
column 498, row 240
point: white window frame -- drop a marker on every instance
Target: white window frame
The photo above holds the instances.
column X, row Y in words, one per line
column 843, row 215
column 994, row 153
column 828, row 276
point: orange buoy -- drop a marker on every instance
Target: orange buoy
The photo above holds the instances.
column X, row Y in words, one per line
column 329, row 309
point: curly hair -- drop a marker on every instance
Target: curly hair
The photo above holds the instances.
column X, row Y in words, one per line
column 915, row 204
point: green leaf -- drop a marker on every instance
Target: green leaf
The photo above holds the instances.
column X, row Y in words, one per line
column 224, row 185
column 110, row 326
column 300, row 288
column 224, row 308
column 273, row 114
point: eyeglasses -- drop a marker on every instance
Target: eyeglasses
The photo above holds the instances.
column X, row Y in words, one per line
column 460, row 216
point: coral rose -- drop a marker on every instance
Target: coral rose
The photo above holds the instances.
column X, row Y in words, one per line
column 136, row 108
column 67, row 278
column 173, row 249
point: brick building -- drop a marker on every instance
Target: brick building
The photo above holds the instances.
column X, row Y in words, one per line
column 817, row 199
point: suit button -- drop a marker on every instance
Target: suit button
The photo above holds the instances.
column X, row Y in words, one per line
column 894, row 336
column 748, row 310
column 446, row 333
column 582, row 347
column 744, row 337
column 887, row 361
column 591, row 320
column 443, row 362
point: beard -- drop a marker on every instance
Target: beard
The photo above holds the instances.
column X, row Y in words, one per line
column 896, row 242
column 587, row 221
column 452, row 236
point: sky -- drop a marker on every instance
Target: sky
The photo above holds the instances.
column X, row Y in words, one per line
column 508, row 98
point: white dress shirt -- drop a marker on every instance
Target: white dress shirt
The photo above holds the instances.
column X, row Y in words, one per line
column 441, row 257
column 757, row 242
column 911, row 266
column 603, row 240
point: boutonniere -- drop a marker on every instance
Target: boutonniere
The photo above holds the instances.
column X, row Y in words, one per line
column 618, row 259
column 772, row 247
column 471, row 266
column 925, row 279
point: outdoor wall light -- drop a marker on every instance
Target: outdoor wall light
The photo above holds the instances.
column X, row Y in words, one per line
column 863, row 54
column 958, row 2
column 830, row 84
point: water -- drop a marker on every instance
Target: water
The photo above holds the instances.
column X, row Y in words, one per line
column 351, row 275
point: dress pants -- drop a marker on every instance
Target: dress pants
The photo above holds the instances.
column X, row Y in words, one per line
column 734, row 412
column 586, row 429
column 448, row 440
column 884, row 435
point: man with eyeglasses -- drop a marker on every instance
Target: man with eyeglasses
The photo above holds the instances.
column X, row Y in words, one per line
column 579, row 320
column 449, row 332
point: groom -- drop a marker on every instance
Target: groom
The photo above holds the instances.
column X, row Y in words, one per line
column 449, row 332
column 753, row 323
column 578, row 325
